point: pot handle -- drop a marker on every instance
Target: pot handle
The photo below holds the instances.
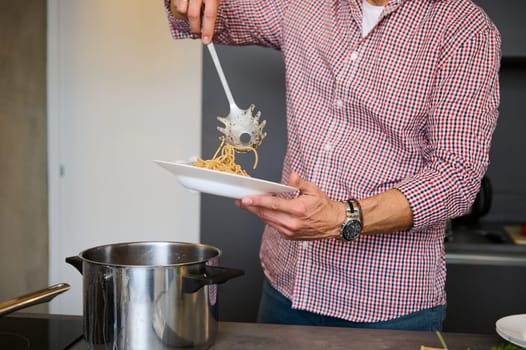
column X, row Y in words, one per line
column 38, row 297
column 76, row 262
column 211, row 275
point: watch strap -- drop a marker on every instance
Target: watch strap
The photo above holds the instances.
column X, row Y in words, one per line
column 357, row 208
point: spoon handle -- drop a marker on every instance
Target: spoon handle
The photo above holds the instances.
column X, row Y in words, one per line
column 213, row 54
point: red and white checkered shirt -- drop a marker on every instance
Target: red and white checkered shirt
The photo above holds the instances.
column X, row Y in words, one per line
column 411, row 106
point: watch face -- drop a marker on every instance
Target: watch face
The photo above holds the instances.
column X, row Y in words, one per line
column 351, row 230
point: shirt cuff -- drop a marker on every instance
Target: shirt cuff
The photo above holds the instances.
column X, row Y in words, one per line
column 434, row 199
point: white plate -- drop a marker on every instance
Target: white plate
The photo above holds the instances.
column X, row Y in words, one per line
column 221, row 183
column 513, row 329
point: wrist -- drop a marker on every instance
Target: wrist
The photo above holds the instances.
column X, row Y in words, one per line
column 386, row 212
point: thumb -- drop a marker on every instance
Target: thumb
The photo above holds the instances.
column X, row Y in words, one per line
column 296, row 181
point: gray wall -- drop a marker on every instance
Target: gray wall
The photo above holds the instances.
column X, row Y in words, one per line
column 507, row 170
column 508, row 157
column 23, row 144
column 508, row 17
column 256, row 75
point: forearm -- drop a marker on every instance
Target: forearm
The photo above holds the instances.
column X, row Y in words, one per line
column 386, row 212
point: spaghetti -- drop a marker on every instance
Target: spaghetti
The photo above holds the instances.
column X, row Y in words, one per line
column 225, row 159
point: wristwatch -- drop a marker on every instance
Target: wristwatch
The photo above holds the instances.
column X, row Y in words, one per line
column 352, row 227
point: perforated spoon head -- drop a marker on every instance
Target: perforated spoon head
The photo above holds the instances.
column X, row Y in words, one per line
column 242, row 129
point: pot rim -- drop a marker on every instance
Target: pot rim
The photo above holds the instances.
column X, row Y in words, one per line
column 104, row 246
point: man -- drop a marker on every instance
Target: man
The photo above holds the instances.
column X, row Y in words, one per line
column 391, row 106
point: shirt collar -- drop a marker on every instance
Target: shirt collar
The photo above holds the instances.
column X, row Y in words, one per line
column 390, row 7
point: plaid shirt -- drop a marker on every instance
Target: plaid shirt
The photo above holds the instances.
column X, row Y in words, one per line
column 411, row 106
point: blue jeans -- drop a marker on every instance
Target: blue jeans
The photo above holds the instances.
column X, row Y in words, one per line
column 275, row 308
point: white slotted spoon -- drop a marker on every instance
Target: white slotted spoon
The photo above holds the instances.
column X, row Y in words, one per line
column 242, row 129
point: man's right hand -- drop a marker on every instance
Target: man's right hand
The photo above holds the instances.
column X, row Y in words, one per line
column 200, row 14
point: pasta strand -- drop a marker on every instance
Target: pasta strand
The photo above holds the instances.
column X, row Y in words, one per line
column 224, row 159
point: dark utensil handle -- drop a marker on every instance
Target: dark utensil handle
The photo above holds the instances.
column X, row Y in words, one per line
column 211, row 275
column 38, row 297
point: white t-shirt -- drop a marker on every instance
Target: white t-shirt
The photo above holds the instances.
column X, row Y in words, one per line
column 371, row 16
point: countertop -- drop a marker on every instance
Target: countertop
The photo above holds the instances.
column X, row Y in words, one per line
column 243, row 336
column 248, row 336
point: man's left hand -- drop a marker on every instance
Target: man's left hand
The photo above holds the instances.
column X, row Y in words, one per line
column 311, row 215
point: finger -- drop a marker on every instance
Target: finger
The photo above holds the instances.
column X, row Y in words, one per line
column 268, row 215
column 182, row 6
column 209, row 20
column 288, row 226
column 194, row 15
column 266, row 202
column 179, row 8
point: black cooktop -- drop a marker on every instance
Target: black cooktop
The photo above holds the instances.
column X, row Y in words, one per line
column 30, row 333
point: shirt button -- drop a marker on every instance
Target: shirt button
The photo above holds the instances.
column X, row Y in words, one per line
column 327, row 147
column 305, row 244
column 354, row 56
column 339, row 103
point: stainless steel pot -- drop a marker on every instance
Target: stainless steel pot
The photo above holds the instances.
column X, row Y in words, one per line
column 150, row 295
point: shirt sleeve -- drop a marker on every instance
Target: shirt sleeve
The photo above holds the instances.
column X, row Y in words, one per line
column 179, row 28
column 459, row 129
column 243, row 22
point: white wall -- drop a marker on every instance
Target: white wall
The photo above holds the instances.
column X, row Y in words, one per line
column 121, row 93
